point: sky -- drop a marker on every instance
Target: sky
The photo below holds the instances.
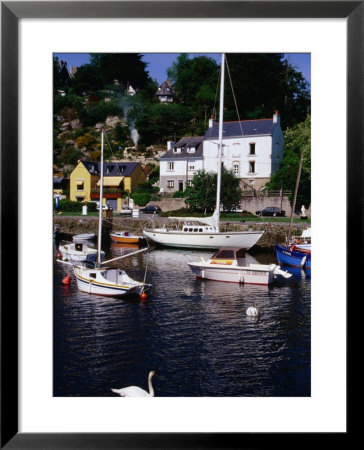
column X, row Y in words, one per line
column 158, row 63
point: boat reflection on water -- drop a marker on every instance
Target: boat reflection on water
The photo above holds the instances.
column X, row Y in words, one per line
column 298, row 272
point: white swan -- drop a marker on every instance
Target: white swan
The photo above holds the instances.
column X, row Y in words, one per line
column 135, row 391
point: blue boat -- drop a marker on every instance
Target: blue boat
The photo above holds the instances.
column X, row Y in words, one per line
column 293, row 258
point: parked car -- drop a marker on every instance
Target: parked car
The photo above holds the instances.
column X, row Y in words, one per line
column 150, row 209
column 126, row 211
column 271, row 211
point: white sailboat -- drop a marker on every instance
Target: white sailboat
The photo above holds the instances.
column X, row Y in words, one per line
column 208, row 235
column 106, row 281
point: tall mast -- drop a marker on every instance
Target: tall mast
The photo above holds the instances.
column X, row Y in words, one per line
column 219, row 155
column 101, row 195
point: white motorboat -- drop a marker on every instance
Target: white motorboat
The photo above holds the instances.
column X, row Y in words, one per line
column 106, row 281
column 208, row 235
column 229, row 265
column 78, row 252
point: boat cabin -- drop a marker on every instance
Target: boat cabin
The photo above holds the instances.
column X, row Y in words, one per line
column 197, row 229
column 228, row 256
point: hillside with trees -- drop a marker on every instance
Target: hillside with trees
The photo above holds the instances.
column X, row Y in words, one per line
column 136, row 123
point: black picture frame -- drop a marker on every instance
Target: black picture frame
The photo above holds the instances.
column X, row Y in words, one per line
column 11, row 12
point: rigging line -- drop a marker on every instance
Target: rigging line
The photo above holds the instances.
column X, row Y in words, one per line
column 232, row 90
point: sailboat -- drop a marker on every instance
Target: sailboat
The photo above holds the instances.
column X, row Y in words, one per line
column 102, row 280
column 204, row 233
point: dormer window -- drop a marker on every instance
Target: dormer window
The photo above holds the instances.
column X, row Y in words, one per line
column 177, row 150
column 109, row 169
column 191, row 149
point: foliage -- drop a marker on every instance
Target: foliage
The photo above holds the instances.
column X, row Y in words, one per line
column 201, row 196
column 70, row 155
column 69, row 205
column 297, row 141
column 262, row 83
column 141, row 199
column 179, row 194
column 86, row 141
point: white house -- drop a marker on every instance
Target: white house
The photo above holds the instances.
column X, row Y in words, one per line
column 252, row 149
column 180, row 163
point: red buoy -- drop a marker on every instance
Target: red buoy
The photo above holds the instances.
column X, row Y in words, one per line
column 67, row 279
column 59, row 254
column 143, row 296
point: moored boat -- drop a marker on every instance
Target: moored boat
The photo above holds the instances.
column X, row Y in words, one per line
column 78, row 252
column 230, row 265
column 101, row 280
column 293, row 256
column 84, row 237
column 124, row 237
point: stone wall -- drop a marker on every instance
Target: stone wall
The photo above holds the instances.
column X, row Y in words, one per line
column 248, row 203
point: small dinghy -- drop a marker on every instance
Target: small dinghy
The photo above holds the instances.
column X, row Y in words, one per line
column 84, row 237
column 78, row 252
column 124, row 237
column 229, row 265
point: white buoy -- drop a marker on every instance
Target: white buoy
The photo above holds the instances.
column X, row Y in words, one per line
column 252, row 311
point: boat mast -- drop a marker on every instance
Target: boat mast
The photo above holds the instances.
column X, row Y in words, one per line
column 219, row 155
column 295, row 198
column 101, row 195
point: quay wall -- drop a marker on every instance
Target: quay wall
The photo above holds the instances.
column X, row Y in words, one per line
column 274, row 232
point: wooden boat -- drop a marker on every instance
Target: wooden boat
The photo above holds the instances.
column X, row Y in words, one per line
column 297, row 253
column 208, row 235
column 229, row 265
column 124, row 237
column 293, row 256
column 78, row 252
column 106, row 281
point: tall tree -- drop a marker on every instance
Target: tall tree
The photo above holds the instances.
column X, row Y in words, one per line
column 297, row 141
column 201, row 196
column 195, row 83
column 263, row 82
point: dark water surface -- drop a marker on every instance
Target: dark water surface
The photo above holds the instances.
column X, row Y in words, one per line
column 194, row 333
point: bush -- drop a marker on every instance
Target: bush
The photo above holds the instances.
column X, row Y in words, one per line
column 141, row 199
column 179, row 194
column 69, row 205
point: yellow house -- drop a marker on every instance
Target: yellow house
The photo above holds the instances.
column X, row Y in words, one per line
column 119, row 177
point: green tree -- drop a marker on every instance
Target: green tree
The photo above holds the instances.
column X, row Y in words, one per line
column 201, row 196
column 297, row 141
column 195, row 83
column 262, row 83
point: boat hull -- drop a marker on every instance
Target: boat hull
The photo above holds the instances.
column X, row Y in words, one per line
column 78, row 253
column 253, row 274
column 101, row 286
column 287, row 257
column 125, row 239
column 246, row 239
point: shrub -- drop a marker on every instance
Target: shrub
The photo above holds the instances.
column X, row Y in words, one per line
column 178, row 194
column 69, row 205
column 141, row 199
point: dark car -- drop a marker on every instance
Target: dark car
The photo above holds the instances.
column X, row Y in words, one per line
column 271, row 211
column 150, row 209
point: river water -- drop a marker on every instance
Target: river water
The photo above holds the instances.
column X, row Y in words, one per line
column 194, row 333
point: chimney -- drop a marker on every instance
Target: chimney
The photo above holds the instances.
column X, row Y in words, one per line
column 276, row 118
column 170, row 144
column 211, row 121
